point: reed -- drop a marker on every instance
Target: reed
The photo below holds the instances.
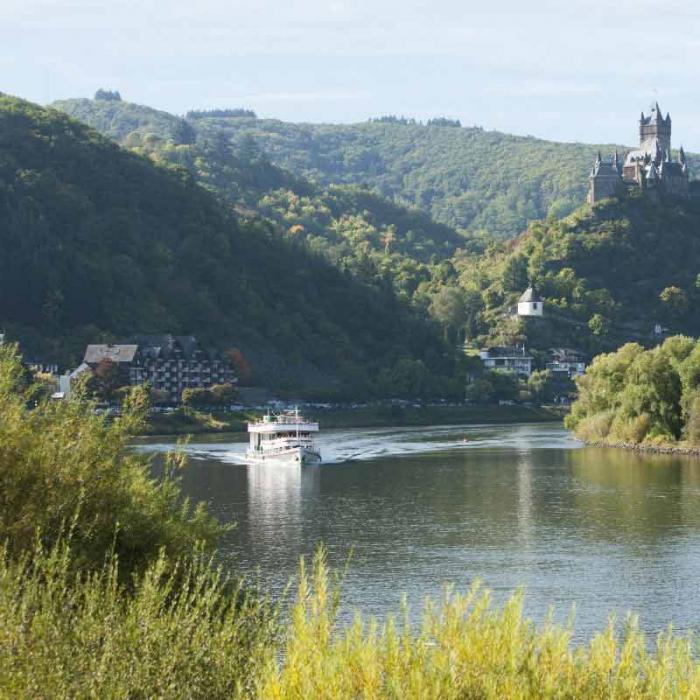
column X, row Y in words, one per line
column 182, row 630
column 466, row 648
column 185, row 631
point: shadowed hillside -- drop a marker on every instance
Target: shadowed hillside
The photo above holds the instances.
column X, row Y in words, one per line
column 98, row 242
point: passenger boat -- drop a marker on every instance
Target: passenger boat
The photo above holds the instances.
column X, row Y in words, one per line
column 283, row 438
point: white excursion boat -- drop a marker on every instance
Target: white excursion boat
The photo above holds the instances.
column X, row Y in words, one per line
column 283, row 438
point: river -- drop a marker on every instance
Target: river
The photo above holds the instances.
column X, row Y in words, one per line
column 518, row 505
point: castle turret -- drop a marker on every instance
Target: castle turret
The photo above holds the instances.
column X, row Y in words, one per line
column 652, row 175
column 655, row 127
column 605, row 179
column 650, row 166
column 616, row 163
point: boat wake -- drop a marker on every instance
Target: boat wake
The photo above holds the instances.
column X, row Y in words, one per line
column 362, row 445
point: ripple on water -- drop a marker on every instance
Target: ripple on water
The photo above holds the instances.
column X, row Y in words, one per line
column 607, row 530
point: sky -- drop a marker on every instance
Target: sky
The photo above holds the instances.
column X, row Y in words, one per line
column 565, row 70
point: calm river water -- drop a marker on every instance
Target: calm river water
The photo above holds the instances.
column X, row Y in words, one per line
column 606, row 530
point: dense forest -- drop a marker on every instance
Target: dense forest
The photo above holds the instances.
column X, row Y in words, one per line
column 467, row 178
column 99, row 243
column 381, row 243
column 609, row 274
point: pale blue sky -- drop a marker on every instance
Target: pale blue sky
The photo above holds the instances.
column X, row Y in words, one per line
column 560, row 69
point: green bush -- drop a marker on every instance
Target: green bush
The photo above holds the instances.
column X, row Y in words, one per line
column 64, row 466
column 641, row 396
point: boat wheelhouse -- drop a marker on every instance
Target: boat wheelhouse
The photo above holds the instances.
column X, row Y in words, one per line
column 285, row 437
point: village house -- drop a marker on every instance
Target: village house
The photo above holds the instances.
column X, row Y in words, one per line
column 566, row 361
column 168, row 363
column 512, row 360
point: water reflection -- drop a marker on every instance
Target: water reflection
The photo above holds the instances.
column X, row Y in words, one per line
column 511, row 505
column 637, row 499
column 276, row 495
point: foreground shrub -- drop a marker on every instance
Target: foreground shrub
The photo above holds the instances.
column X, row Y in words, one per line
column 183, row 631
column 180, row 631
column 464, row 648
column 63, row 465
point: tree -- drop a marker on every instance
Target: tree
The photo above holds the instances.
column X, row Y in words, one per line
column 388, row 238
column 64, row 467
column 223, row 394
column 449, row 309
column 540, row 384
column 106, row 379
column 183, row 133
column 108, row 95
column 240, row 364
column 196, row 397
column 599, row 325
column 515, row 274
column 675, row 300
column 158, row 396
column 492, row 387
column 408, row 379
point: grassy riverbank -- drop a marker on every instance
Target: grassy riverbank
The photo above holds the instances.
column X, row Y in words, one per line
column 188, row 421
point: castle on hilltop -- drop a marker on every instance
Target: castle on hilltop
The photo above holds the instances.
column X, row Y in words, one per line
column 648, row 167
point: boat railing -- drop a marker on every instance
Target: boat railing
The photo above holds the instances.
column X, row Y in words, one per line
column 287, row 442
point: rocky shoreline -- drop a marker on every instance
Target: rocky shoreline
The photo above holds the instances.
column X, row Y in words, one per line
column 651, row 449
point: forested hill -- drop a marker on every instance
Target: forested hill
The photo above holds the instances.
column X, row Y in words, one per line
column 464, row 177
column 467, row 178
column 609, row 274
column 238, row 171
column 97, row 243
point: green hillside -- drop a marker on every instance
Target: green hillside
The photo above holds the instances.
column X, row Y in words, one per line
column 97, row 242
column 465, row 177
column 603, row 271
column 378, row 241
column 468, row 178
column 609, row 274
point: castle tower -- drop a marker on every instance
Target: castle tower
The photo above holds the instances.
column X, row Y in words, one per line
column 605, row 179
column 655, row 127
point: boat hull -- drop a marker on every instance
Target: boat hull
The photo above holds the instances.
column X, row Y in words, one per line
column 293, row 455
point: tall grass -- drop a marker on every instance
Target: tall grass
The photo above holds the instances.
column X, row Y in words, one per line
column 465, row 648
column 180, row 631
column 190, row 634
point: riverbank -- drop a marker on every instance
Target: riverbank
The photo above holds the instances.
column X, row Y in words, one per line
column 663, row 449
column 189, row 421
